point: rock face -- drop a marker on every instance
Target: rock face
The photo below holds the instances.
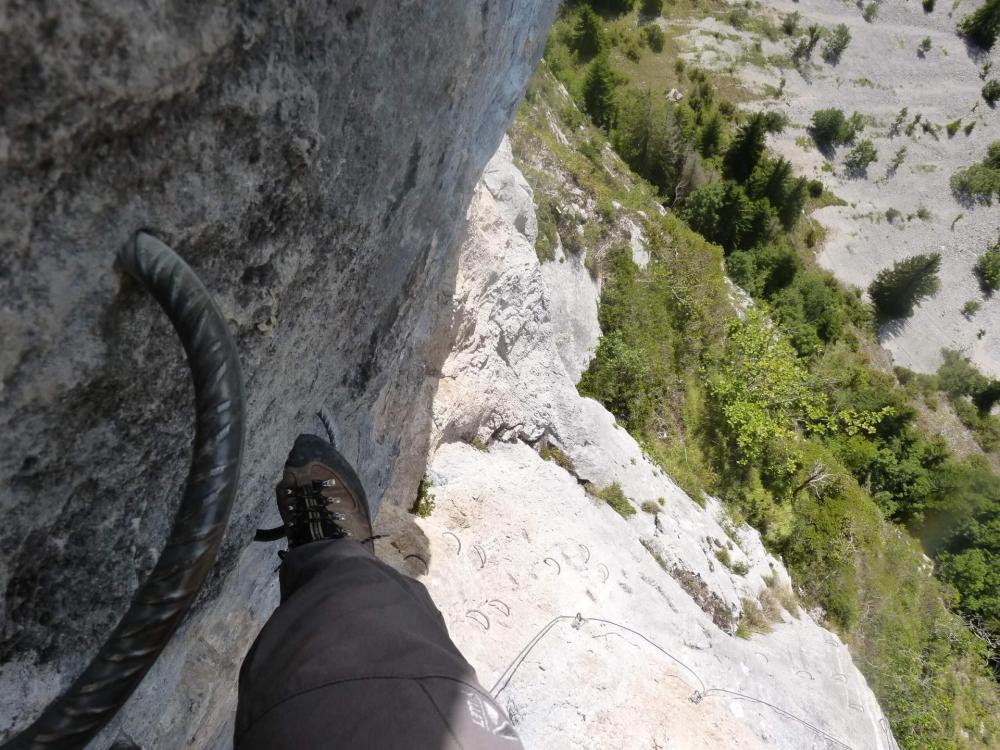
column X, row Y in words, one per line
column 313, row 162
column 515, row 547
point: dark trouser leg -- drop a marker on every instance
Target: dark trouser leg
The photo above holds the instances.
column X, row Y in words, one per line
column 357, row 655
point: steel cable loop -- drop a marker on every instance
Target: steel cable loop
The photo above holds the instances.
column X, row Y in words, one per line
column 705, row 692
column 160, row 604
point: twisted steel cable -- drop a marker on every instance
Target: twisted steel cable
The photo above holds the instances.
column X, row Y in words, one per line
column 163, row 599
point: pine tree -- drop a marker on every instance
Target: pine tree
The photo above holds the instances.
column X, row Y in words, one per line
column 794, row 200
column 747, row 148
column 896, row 291
column 589, row 36
column 649, row 139
column 721, row 213
column 983, row 26
column 710, row 138
column 599, row 92
column 769, row 180
column 986, row 396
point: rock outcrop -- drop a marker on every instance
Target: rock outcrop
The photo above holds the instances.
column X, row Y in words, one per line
column 313, row 161
column 515, row 547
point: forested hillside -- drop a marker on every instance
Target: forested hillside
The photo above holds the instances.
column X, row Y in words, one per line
column 782, row 404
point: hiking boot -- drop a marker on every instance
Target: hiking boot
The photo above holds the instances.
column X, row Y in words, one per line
column 321, row 497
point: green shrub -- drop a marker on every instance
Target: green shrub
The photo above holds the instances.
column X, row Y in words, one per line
column 924, row 46
column 722, row 555
column 896, row 161
column 613, row 496
column 758, row 385
column 860, row 158
column 992, row 159
column 959, row 378
column 983, row 25
column 790, row 23
column 897, row 122
column 752, row 620
column 970, row 308
column 650, row 507
column 836, row 43
column 620, row 378
column 991, row 91
column 804, row 47
column 896, row 291
column 738, row 17
column 988, row 268
column 870, row 12
column 813, row 311
column 815, row 188
column 423, row 503
column 775, row 122
column 632, row 48
column 978, row 183
column 783, row 594
column 830, row 127
column 653, row 36
column 953, row 126
column 928, row 5
column 554, row 454
column 549, row 218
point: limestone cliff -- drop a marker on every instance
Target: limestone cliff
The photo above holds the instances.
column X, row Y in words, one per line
column 515, row 547
column 313, row 161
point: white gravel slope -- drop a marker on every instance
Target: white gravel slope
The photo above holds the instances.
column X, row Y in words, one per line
column 879, row 74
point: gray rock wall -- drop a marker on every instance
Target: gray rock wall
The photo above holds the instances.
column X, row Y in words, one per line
column 313, row 162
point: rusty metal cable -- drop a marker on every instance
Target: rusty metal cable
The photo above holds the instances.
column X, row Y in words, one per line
column 161, row 602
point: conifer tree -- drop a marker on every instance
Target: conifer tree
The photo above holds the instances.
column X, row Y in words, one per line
column 983, row 25
column 710, row 137
column 649, row 139
column 599, row 92
column 747, row 148
column 589, row 36
column 896, row 291
column 769, row 180
column 793, row 202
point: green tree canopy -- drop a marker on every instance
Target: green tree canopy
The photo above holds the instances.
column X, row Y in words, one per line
column 589, row 37
column 746, row 149
column 896, row 291
column 983, row 25
column 599, row 92
column 763, row 388
column 649, row 139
